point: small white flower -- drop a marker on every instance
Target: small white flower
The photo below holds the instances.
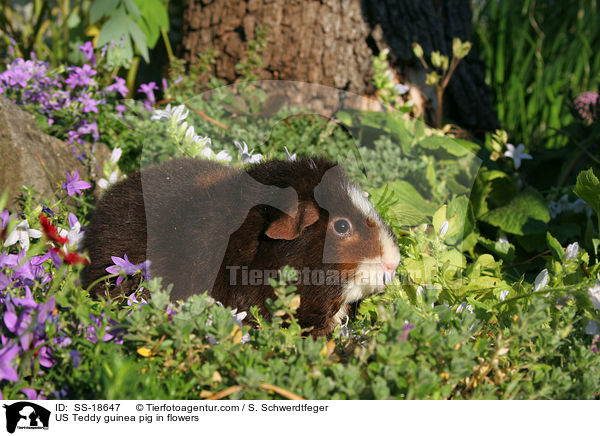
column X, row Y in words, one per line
column 247, row 156
column 74, row 235
column 541, row 280
column 462, row 306
column 190, row 134
column 344, row 330
column 517, row 154
column 502, row 238
column 112, row 179
column 176, row 114
column 207, row 153
column 22, row 233
column 401, row 89
column 419, row 291
column 443, row 230
column 504, row 294
column 290, row 157
column 594, row 292
column 223, row 156
column 571, row 252
column 116, row 155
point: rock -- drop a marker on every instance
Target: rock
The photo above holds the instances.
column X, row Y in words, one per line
column 32, row 158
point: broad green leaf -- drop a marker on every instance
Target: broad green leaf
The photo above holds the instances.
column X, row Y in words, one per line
column 525, row 214
column 139, row 39
column 154, row 12
column 588, row 189
column 102, row 8
column 132, row 9
column 420, row 271
column 461, row 211
column 114, row 28
column 445, row 143
column 406, row 206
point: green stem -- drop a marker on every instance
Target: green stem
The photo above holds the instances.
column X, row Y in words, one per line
column 167, row 43
column 131, row 75
column 101, row 279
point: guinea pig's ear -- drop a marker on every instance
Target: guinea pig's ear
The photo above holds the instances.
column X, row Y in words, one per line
column 288, row 227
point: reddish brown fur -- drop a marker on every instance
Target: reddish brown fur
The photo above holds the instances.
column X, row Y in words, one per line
column 180, row 215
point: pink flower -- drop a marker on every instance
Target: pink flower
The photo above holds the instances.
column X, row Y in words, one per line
column 587, row 106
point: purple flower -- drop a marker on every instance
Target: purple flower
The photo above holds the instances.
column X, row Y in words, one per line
column 148, row 89
column 111, row 332
column 47, row 210
column 132, row 300
column 80, row 76
column 170, row 311
column 164, row 85
column 7, row 355
column 405, row 331
column 88, row 51
column 88, row 104
column 120, row 109
column 31, row 394
column 74, row 185
column 88, row 129
column 75, row 358
column 118, row 86
column 123, row 264
column 4, row 218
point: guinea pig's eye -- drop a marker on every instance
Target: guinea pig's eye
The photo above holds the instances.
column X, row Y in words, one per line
column 341, row 226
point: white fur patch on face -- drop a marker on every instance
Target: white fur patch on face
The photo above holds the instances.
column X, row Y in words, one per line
column 390, row 254
column 357, row 196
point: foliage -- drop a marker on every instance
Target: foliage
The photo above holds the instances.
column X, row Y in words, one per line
column 536, row 53
column 58, row 28
column 498, row 294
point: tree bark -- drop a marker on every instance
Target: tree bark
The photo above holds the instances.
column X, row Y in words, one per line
column 333, row 42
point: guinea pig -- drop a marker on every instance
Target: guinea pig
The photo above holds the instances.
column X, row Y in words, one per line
column 209, row 227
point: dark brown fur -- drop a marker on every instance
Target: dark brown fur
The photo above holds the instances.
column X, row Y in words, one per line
column 192, row 219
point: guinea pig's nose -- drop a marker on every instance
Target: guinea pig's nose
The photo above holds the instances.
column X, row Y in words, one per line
column 390, row 266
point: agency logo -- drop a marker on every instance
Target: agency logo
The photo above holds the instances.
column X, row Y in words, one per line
column 26, row 415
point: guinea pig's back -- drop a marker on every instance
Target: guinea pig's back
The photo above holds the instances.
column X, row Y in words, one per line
column 146, row 215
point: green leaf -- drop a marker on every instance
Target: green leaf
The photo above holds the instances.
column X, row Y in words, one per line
column 462, row 220
column 102, row 8
column 555, row 247
column 588, row 189
column 114, row 28
column 154, row 17
column 132, row 9
column 445, row 143
column 139, row 39
column 408, row 207
column 154, row 11
column 525, row 214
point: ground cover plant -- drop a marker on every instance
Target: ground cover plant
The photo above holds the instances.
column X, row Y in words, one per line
column 497, row 295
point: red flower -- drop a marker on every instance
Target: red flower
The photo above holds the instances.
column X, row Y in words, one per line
column 51, row 231
column 72, row 258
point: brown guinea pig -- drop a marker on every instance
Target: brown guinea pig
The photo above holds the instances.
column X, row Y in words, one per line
column 208, row 227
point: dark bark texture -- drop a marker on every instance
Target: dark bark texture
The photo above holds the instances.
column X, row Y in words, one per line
column 333, row 42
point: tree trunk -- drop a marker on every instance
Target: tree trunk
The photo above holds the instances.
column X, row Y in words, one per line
column 333, row 43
